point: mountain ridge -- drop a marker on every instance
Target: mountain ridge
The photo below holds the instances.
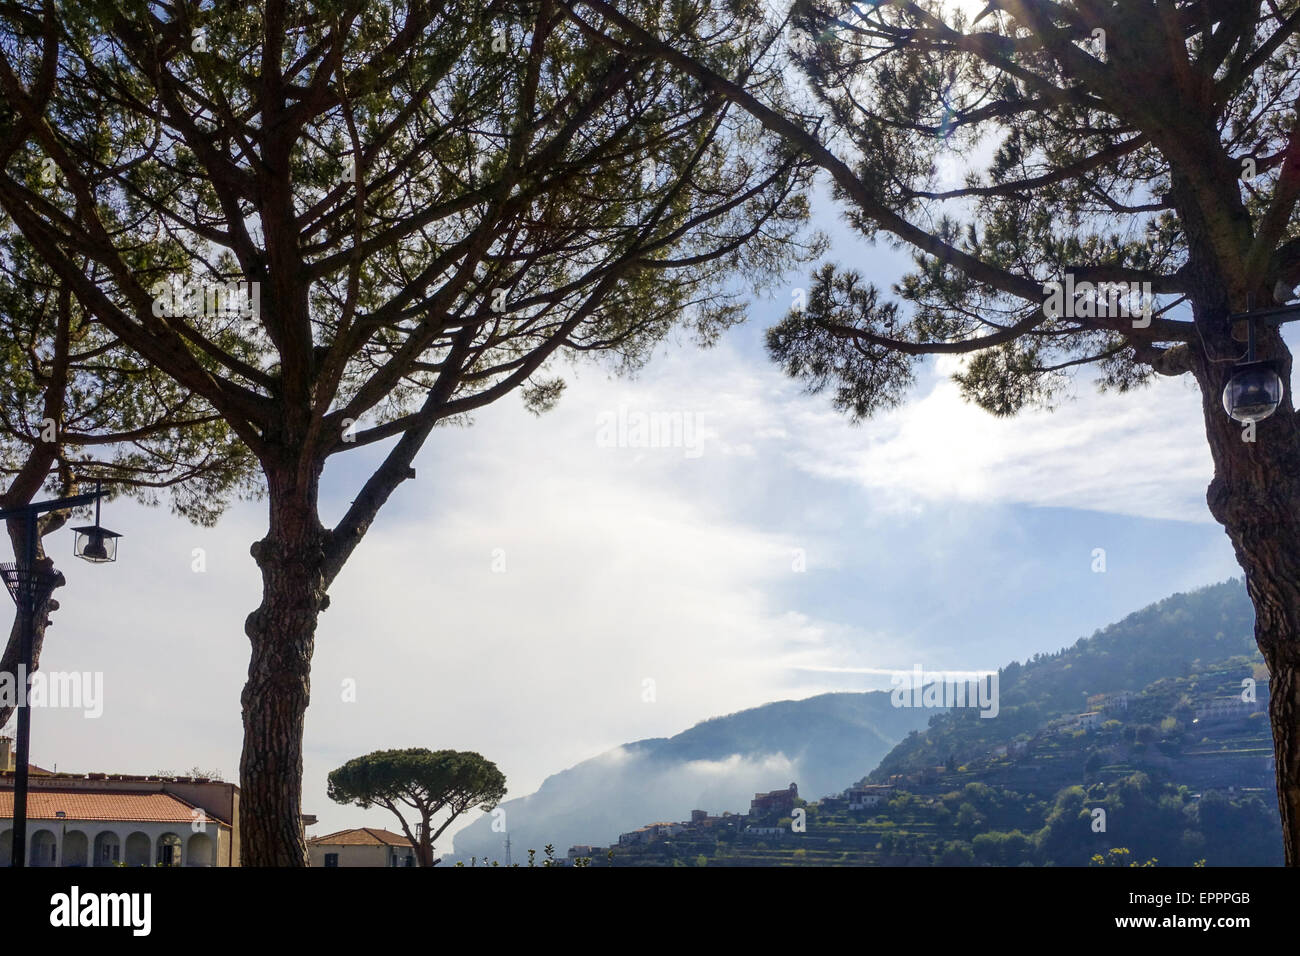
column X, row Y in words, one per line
column 717, row 764
column 825, row 742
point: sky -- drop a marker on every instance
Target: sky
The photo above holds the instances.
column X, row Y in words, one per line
column 551, row 587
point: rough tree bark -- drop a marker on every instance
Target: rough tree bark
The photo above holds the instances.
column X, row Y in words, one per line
column 1255, row 491
column 1255, row 495
column 282, row 632
column 425, row 846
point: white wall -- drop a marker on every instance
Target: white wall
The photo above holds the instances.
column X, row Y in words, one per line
column 75, row 842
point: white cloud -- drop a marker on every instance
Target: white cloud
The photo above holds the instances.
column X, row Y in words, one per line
column 623, row 564
column 1137, row 454
column 1143, row 453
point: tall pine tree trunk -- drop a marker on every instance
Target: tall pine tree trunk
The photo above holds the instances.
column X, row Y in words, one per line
column 1255, row 495
column 424, row 850
column 12, row 655
column 282, row 632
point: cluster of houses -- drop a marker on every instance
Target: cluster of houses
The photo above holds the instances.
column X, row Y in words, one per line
column 1222, row 709
column 1103, row 707
column 103, row 819
column 865, row 797
column 764, row 810
column 764, row 805
column 1090, row 721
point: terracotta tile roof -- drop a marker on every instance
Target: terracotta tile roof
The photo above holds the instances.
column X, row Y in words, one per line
column 105, row 805
column 361, row 836
column 32, row 771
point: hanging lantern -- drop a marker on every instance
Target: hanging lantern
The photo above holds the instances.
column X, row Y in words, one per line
column 95, row 543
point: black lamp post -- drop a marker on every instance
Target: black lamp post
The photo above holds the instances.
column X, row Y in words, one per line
column 26, row 583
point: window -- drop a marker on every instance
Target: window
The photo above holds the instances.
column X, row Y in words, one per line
column 331, row 859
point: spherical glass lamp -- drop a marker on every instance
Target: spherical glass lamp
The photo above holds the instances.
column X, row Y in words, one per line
column 1254, row 392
